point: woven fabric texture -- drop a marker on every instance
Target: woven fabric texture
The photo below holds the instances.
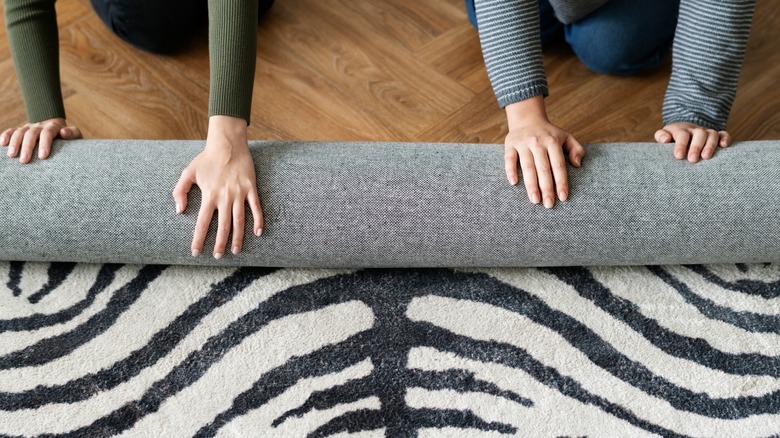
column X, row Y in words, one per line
column 329, row 204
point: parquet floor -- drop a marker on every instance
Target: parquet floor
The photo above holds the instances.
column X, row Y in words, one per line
column 401, row 70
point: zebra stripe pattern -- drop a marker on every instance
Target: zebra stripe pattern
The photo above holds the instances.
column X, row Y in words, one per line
column 708, row 50
column 104, row 350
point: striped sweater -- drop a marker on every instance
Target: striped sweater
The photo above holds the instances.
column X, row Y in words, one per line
column 708, row 49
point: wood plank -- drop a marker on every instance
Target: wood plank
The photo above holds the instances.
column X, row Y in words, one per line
column 756, row 110
column 457, row 54
column 370, row 70
column 392, row 88
column 118, row 78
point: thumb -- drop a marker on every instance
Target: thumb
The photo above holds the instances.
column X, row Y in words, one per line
column 663, row 136
column 575, row 150
column 182, row 188
column 70, row 133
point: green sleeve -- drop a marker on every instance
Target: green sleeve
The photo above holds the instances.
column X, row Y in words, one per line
column 33, row 36
column 232, row 54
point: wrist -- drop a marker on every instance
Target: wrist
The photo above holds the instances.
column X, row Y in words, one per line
column 58, row 120
column 525, row 112
column 227, row 130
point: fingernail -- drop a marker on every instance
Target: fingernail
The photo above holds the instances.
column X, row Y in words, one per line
column 11, row 151
column 217, row 255
column 178, row 208
column 548, row 203
column 535, row 198
column 235, row 250
column 563, row 195
column 259, row 232
column 195, row 252
column 513, row 181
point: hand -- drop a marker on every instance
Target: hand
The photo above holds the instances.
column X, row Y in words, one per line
column 540, row 147
column 698, row 141
column 225, row 173
column 24, row 138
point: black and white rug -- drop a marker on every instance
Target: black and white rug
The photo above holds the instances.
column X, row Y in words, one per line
column 104, row 350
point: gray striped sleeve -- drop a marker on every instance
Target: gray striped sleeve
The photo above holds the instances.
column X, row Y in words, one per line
column 512, row 48
column 709, row 46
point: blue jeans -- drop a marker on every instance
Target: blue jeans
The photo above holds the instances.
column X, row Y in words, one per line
column 623, row 37
column 157, row 26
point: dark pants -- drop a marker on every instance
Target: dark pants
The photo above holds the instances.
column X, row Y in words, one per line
column 157, row 26
column 623, row 37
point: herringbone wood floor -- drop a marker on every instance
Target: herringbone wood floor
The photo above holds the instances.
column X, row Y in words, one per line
column 401, row 70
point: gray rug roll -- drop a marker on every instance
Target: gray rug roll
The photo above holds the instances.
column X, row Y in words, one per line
column 398, row 205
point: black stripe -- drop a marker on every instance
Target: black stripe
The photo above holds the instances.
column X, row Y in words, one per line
column 518, row 358
column 695, row 349
column 356, row 389
column 748, row 321
column 57, row 273
column 367, row 419
column 388, row 293
column 15, row 277
column 61, row 345
column 34, row 322
column 768, row 290
column 158, row 346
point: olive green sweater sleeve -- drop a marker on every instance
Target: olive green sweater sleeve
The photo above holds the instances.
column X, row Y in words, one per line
column 32, row 33
column 232, row 54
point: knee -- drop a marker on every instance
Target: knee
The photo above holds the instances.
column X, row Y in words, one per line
column 146, row 27
column 471, row 12
column 624, row 55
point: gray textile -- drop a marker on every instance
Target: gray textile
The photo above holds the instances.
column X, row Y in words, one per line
column 398, row 204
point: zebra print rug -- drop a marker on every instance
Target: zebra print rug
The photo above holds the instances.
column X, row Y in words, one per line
column 104, row 350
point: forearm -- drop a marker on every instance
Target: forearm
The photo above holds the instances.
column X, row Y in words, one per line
column 33, row 36
column 511, row 45
column 709, row 47
column 232, row 53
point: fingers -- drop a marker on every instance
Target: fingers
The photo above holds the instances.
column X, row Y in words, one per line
column 698, row 139
column 5, row 137
column 681, row 139
column 202, row 226
column 28, row 144
column 558, row 165
column 15, row 143
column 663, row 136
column 529, row 175
column 710, row 144
column 257, row 211
column 224, row 220
column 186, row 180
column 510, row 164
column 45, row 141
column 544, row 175
column 238, row 226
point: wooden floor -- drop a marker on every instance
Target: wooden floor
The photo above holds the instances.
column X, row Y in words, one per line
column 400, row 70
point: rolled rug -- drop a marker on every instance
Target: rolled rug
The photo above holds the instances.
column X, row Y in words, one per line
column 333, row 204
